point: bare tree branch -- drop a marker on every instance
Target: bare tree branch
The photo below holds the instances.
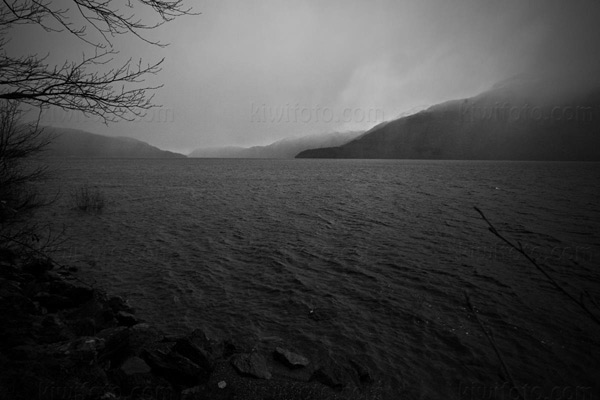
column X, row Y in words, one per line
column 72, row 86
column 519, row 248
column 97, row 85
column 17, row 142
column 507, row 374
column 93, row 85
column 106, row 17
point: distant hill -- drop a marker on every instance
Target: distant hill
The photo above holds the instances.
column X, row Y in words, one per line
column 519, row 119
column 78, row 143
column 217, row 152
column 285, row 148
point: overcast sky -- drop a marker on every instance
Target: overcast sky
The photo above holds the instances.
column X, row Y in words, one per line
column 250, row 72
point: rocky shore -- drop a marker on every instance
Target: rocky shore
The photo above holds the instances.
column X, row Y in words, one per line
column 63, row 339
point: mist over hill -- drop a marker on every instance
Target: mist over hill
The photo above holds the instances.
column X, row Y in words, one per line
column 285, row 148
column 82, row 144
column 519, row 119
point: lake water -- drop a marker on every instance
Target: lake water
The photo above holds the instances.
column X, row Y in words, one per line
column 369, row 259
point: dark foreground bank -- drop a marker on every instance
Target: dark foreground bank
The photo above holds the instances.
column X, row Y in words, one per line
column 61, row 338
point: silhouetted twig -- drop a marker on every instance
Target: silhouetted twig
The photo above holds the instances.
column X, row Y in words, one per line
column 592, row 299
column 490, row 338
column 519, row 248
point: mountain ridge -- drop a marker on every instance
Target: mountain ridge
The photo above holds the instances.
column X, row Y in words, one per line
column 283, row 148
column 78, row 143
column 508, row 122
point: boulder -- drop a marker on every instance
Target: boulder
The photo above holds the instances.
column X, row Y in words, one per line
column 322, row 314
column 83, row 326
column 134, row 373
column 191, row 393
column 52, row 330
column 329, row 375
column 53, row 302
column 83, row 349
column 117, row 303
column 52, row 276
column 116, row 348
column 76, row 291
column 126, row 319
column 291, row 360
column 200, row 339
column 363, row 372
column 175, row 368
column 135, row 365
column 12, row 298
column 253, row 364
column 95, row 309
column 135, row 380
column 189, row 349
column 141, row 336
column 33, row 287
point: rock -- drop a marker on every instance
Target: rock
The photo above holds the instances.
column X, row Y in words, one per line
column 292, row 360
column 117, row 303
column 239, row 344
column 322, row 314
column 84, row 349
column 134, row 373
column 135, row 365
column 329, row 375
column 126, row 319
column 53, row 330
column 33, row 287
column 53, row 302
column 200, row 339
column 22, row 352
column 229, row 349
column 77, row 292
column 117, row 347
column 51, row 320
column 12, row 297
column 175, row 368
column 187, row 348
column 363, row 373
column 110, row 334
column 252, row 364
column 52, row 276
column 134, row 379
column 116, row 344
column 95, row 309
column 85, row 326
column 9, row 288
column 142, row 336
column 38, row 266
column 123, row 342
column 191, row 393
column 17, row 332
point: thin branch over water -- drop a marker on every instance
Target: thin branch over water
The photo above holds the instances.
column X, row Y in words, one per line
column 519, row 248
